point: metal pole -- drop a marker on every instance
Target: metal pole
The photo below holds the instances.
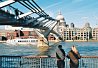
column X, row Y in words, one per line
column 40, row 62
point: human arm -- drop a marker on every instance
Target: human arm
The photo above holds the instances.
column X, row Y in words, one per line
column 78, row 55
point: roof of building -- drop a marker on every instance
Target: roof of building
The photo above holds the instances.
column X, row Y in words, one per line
column 60, row 16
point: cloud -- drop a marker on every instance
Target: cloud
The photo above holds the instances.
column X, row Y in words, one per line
column 55, row 4
column 35, row 0
column 76, row 1
column 84, row 17
column 50, row 13
column 96, row 18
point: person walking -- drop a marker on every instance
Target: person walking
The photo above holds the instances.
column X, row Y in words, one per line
column 60, row 55
column 16, row 13
column 74, row 57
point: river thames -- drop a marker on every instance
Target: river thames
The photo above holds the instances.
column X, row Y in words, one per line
column 85, row 49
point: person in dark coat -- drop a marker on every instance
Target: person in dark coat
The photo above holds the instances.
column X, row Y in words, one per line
column 17, row 13
column 74, row 57
column 60, row 55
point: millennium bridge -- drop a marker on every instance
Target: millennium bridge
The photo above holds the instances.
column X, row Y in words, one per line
column 36, row 18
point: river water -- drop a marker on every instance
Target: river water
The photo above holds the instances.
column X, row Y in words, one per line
column 85, row 49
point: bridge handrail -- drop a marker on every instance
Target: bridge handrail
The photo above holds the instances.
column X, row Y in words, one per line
column 43, row 62
column 45, row 56
column 89, row 56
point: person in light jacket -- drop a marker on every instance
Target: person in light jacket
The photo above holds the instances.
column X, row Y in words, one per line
column 60, row 55
column 74, row 57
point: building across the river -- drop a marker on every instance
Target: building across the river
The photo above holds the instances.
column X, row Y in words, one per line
column 14, row 32
column 73, row 33
column 67, row 32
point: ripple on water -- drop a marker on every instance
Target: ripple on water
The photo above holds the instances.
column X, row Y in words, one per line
column 85, row 48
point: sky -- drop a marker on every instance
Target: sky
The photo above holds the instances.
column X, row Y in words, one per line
column 78, row 12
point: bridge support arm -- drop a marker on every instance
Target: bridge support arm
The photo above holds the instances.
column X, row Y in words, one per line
column 5, row 3
column 26, row 14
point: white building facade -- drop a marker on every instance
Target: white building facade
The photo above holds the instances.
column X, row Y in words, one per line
column 95, row 34
column 76, row 34
column 72, row 33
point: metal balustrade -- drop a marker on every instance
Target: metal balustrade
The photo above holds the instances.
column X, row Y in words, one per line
column 38, row 62
column 88, row 62
column 10, row 61
column 43, row 62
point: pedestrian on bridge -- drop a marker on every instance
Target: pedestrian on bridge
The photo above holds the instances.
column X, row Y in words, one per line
column 60, row 55
column 74, row 57
column 17, row 13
